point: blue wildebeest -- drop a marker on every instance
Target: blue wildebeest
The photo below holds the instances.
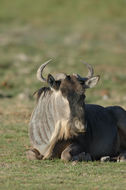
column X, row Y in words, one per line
column 62, row 125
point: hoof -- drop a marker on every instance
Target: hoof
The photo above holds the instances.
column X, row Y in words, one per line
column 122, row 157
column 33, row 155
column 30, row 155
column 105, row 159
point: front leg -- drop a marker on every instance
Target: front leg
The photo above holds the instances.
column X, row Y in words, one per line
column 57, row 135
column 74, row 153
column 51, row 145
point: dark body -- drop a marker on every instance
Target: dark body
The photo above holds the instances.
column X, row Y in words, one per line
column 101, row 136
column 105, row 135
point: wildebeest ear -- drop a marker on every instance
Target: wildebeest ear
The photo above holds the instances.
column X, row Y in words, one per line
column 51, row 80
column 53, row 83
column 91, row 82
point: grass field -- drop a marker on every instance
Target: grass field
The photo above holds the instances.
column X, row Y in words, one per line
column 70, row 32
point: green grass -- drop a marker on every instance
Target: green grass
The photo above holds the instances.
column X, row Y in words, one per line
column 70, row 32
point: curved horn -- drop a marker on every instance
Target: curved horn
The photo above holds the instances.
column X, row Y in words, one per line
column 90, row 70
column 90, row 73
column 40, row 70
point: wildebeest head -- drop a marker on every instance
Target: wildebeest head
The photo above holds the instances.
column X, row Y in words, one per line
column 72, row 87
column 69, row 83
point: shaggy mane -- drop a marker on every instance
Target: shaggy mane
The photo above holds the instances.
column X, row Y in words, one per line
column 40, row 91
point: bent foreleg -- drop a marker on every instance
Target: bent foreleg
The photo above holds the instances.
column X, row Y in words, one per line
column 74, row 153
column 58, row 134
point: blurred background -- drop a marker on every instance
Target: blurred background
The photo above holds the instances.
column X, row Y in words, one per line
column 69, row 32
